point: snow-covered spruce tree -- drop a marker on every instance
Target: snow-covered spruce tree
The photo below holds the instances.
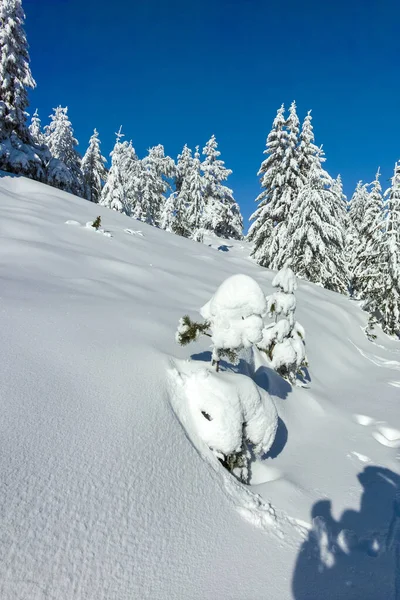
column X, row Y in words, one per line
column 390, row 303
column 93, row 170
column 194, row 189
column 272, row 182
column 283, row 340
column 233, row 319
column 315, row 240
column 183, row 211
column 114, row 194
column 309, row 154
column 221, row 214
column 157, row 169
column 183, row 166
column 340, row 205
column 64, row 169
column 281, row 209
column 35, row 129
column 367, row 267
column 357, row 204
column 18, row 153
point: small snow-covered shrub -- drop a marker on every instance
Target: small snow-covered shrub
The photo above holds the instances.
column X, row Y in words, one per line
column 233, row 416
column 283, row 340
column 233, row 319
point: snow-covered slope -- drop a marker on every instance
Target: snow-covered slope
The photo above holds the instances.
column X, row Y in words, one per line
column 105, row 491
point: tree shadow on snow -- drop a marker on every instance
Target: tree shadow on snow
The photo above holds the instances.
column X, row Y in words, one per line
column 271, row 382
column 358, row 556
column 280, row 441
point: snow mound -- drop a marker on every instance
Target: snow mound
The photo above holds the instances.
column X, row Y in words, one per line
column 222, row 404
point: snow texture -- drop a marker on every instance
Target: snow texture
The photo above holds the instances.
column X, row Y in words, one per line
column 107, row 490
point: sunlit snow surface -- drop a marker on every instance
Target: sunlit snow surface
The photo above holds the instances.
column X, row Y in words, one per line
column 106, row 491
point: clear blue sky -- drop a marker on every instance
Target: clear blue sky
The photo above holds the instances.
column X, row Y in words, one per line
column 176, row 71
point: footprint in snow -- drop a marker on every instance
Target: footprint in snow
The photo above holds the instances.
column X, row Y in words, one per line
column 394, row 383
column 364, row 420
column 361, row 457
column 133, row 232
column 387, row 436
column 71, row 222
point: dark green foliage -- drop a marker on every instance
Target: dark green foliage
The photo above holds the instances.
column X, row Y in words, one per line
column 97, row 223
column 189, row 330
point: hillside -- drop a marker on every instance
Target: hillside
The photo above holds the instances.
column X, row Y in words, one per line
column 107, row 493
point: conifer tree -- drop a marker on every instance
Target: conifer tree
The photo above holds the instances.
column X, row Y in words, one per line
column 368, row 267
column 221, row 212
column 195, row 194
column 183, row 166
column 64, row 170
column 35, row 129
column 292, row 184
column 113, row 194
column 18, row 153
column 157, row 170
column 309, row 153
column 357, row 204
column 316, row 244
column 93, row 170
column 272, row 182
column 390, row 303
column 131, row 170
column 15, row 73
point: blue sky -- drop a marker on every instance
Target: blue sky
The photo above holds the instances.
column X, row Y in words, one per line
column 176, row 71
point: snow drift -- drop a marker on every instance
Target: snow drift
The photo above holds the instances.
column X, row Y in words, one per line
column 106, row 492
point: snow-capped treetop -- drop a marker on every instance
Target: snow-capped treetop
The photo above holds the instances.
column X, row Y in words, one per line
column 113, row 194
column 285, row 280
column 238, row 296
column 35, row 129
column 15, row 72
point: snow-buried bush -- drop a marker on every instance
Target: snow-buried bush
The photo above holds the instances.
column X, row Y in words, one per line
column 232, row 415
column 233, row 319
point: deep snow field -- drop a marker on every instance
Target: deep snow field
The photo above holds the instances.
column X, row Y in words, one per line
column 106, row 491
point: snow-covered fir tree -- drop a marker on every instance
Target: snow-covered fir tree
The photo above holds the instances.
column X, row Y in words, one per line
column 131, row 170
column 283, row 340
column 272, row 183
column 157, row 169
column 390, row 303
column 222, row 214
column 114, row 194
column 15, row 73
column 183, row 211
column 357, row 204
column 35, row 129
column 64, row 170
column 292, row 183
column 183, row 166
column 309, row 153
column 315, row 239
column 367, row 266
column 93, row 168
column 194, row 187
column 340, row 205
column 18, row 153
